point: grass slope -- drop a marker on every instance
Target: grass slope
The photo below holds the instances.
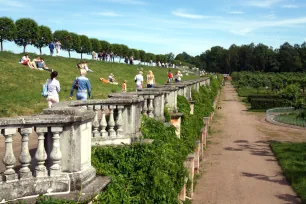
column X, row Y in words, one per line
column 292, row 159
column 20, row 87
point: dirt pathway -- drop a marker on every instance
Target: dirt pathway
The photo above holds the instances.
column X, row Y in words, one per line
column 240, row 167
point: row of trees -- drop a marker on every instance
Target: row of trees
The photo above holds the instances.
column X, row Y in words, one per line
column 288, row 58
column 26, row 31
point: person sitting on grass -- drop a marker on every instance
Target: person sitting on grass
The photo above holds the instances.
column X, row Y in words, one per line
column 35, row 61
column 111, row 78
column 124, row 86
column 42, row 65
column 25, row 60
column 84, row 65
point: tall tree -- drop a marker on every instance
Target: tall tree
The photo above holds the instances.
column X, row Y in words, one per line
column 27, row 32
column 76, row 43
column 65, row 38
column 170, row 57
column 142, row 55
column 45, row 37
column 96, row 45
column 7, row 30
column 117, row 49
column 85, row 45
column 105, row 45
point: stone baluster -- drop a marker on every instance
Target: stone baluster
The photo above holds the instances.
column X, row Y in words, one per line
column 119, row 121
column 25, row 157
column 41, row 155
column 145, row 105
column 111, row 122
column 95, row 123
column 151, row 108
column 56, row 154
column 9, row 159
column 103, row 122
column 166, row 98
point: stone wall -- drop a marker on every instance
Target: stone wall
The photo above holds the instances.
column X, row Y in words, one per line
column 65, row 134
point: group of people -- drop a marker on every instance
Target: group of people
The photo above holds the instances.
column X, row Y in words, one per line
column 103, row 56
column 129, row 60
column 82, row 84
column 177, row 77
column 37, row 63
column 55, row 45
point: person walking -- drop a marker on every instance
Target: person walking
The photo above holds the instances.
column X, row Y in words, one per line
column 150, row 79
column 123, row 86
column 170, row 76
column 139, row 80
column 53, row 89
column 58, row 47
column 51, row 47
column 82, row 87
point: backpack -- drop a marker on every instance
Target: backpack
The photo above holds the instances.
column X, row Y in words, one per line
column 44, row 92
column 76, row 85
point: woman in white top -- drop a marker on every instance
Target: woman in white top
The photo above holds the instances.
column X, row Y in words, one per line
column 139, row 80
column 53, row 89
column 178, row 76
column 150, row 79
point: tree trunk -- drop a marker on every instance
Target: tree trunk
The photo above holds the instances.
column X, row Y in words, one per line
column 40, row 51
column 81, row 55
column 1, row 45
column 69, row 53
column 24, row 48
column 119, row 59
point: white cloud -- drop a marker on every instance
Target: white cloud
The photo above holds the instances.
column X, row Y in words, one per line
column 183, row 14
column 133, row 2
column 106, row 13
column 11, row 3
column 290, row 6
column 263, row 3
column 236, row 12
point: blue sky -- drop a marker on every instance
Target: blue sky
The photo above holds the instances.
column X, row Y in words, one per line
column 163, row 26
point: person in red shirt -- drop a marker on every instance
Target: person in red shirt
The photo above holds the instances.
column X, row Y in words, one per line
column 170, row 76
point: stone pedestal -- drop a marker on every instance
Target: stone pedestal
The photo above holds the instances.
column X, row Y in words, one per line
column 176, row 122
column 189, row 165
column 191, row 104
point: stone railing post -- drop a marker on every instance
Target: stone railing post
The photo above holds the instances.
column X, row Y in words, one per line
column 176, row 122
column 103, row 122
column 95, row 123
column 119, row 122
column 9, row 159
column 111, row 122
column 56, row 154
column 25, row 157
column 151, row 108
column 41, row 155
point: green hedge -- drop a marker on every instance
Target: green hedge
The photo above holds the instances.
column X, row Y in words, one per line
column 153, row 173
column 265, row 103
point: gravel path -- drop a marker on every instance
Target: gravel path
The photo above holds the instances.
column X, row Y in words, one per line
column 240, row 167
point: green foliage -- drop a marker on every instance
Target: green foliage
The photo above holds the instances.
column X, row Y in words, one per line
column 167, row 114
column 291, row 93
column 85, row 45
column 27, row 32
column 105, row 45
column 50, row 200
column 65, row 38
column 143, row 173
column 45, row 37
column 267, row 103
column 76, row 42
column 7, row 30
column 291, row 157
column 96, row 45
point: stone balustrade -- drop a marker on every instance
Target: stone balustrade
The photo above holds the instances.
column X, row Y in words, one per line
column 61, row 161
column 65, row 134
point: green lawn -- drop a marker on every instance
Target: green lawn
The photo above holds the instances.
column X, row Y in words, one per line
column 291, row 119
column 292, row 159
column 20, row 87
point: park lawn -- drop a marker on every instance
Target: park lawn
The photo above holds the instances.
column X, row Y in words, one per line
column 292, row 159
column 20, row 87
column 291, row 119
